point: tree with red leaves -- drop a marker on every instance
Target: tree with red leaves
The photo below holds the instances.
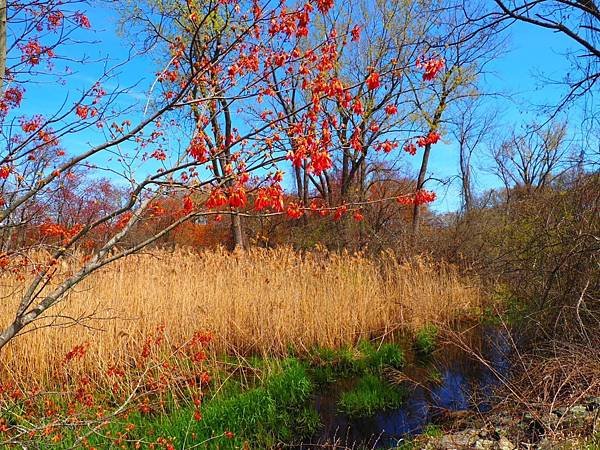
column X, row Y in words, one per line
column 220, row 60
column 363, row 122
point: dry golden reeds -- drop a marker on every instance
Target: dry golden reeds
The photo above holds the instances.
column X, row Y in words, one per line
column 260, row 301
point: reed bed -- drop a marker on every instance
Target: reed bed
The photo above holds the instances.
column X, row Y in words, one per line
column 257, row 302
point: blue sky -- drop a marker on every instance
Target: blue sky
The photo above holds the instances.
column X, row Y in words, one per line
column 530, row 51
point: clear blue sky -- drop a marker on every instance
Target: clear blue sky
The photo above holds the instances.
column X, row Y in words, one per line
column 532, row 54
column 530, row 51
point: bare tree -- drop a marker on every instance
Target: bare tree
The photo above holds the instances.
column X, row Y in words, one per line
column 471, row 129
column 578, row 21
column 532, row 160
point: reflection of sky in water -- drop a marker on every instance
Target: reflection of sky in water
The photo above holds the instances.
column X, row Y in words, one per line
column 460, row 380
column 453, row 392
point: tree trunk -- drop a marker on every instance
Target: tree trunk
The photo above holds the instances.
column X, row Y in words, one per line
column 420, row 183
column 305, row 185
column 237, row 231
column 467, row 193
column 2, row 43
column 299, row 184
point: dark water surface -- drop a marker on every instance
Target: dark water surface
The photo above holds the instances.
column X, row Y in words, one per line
column 465, row 385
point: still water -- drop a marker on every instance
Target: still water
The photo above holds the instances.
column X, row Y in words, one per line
column 463, row 384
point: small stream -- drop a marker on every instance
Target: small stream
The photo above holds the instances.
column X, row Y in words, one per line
column 464, row 384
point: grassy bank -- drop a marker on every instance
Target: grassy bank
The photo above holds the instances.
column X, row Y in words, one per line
column 256, row 403
column 172, row 348
column 275, row 410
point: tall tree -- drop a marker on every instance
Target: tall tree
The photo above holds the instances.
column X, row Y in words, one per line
column 466, row 54
column 180, row 142
column 471, row 131
column 532, row 160
column 366, row 126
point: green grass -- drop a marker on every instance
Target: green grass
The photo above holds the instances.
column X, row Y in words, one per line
column 263, row 402
column 370, row 395
column 377, row 357
column 433, row 431
column 435, row 375
column 593, row 443
column 367, row 361
column 426, row 340
column 264, row 416
column 329, row 365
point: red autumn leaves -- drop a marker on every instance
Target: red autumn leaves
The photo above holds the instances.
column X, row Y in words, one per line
column 12, row 98
column 5, row 172
column 32, row 51
column 420, row 197
column 311, row 143
column 269, row 198
column 217, row 199
column 373, row 81
column 198, row 149
column 431, row 67
column 430, row 138
column 309, row 146
column 54, row 230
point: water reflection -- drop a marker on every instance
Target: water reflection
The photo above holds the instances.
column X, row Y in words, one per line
column 464, row 384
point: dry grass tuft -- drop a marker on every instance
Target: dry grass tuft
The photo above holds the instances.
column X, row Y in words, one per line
column 262, row 301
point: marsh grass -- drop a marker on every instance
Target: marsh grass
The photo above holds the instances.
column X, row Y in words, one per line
column 426, row 340
column 261, row 302
column 330, row 365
